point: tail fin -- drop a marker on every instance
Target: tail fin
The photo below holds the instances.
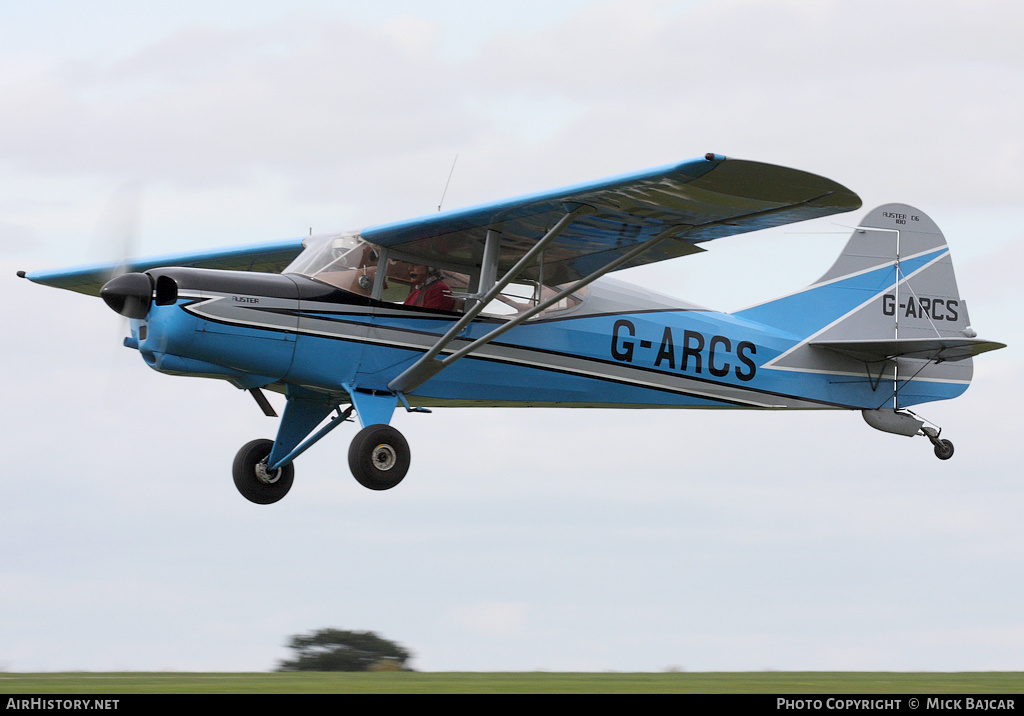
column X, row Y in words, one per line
column 889, row 312
column 920, row 308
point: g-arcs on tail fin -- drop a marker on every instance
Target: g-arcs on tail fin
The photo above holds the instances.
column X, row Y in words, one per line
column 920, row 314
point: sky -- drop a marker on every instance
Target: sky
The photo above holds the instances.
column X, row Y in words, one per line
column 522, row 539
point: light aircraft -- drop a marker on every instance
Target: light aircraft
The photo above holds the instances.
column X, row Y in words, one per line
column 523, row 314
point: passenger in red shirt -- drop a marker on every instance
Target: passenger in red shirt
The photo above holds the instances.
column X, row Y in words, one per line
column 429, row 290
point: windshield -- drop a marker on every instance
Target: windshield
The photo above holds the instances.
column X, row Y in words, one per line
column 330, row 258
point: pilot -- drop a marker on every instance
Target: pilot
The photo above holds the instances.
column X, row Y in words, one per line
column 429, row 290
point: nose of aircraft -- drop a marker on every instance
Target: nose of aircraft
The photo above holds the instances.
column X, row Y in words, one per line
column 129, row 294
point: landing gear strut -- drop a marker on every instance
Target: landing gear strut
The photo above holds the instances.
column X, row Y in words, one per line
column 253, row 479
column 378, row 456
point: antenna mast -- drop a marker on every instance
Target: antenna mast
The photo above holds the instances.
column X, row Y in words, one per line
column 447, row 183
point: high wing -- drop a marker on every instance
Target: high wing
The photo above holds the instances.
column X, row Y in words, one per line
column 697, row 200
column 601, row 226
column 268, row 257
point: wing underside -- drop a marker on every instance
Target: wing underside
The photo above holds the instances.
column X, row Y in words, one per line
column 698, row 200
column 269, row 258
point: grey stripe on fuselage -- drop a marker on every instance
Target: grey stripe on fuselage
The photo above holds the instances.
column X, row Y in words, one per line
column 280, row 315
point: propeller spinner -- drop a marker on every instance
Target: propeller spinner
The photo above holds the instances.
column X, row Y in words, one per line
column 129, row 294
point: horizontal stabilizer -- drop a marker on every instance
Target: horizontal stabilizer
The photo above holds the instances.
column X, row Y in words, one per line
column 933, row 349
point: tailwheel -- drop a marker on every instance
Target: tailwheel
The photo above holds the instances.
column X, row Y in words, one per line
column 379, row 457
column 943, row 449
column 254, row 481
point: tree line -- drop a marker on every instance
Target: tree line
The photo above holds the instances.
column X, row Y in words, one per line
column 340, row 650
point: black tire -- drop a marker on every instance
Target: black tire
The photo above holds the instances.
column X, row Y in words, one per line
column 379, row 457
column 943, row 449
column 249, row 469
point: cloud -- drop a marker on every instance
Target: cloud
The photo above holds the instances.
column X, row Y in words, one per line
column 330, row 103
column 15, row 238
column 505, row 620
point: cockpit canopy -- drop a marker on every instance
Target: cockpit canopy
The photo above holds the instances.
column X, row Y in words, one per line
column 350, row 263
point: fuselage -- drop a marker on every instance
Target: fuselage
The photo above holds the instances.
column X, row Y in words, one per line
column 621, row 347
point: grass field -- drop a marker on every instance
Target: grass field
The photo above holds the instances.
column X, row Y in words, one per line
column 521, row 682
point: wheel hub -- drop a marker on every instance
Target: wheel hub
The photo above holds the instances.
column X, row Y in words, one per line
column 264, row 476
column 384, row 457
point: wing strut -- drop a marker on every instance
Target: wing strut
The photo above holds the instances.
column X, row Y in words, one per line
column 426, row 367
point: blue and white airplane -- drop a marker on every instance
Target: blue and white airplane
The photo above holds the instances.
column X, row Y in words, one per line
column 508, row 304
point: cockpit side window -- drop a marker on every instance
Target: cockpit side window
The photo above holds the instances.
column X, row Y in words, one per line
column 424, row 286
column 352, row 264
column 518, row 298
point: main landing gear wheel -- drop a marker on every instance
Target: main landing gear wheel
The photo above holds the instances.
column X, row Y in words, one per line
column 252, row 478
column 379, row 457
